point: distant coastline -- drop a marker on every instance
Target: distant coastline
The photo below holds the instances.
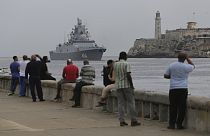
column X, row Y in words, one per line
column 159, row 56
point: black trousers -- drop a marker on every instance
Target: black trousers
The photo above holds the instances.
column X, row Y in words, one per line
column 77, row 91
column 47, row 77
column 178, row 104
column 35, row 82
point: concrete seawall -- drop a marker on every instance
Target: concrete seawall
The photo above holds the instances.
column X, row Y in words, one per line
column 150, row 105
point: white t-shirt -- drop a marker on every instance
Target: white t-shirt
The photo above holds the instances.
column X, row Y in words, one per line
column 23, row 67
column 179, row 72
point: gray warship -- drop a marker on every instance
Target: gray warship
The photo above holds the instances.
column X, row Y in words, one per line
column 79, row 46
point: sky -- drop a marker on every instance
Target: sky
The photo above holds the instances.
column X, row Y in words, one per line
column 38, row 26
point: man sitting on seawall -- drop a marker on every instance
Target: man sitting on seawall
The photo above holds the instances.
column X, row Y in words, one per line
column 45, row 75
column 70, row 74
column 87, row 77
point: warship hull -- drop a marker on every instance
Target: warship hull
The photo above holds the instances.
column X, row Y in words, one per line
column 95, row 54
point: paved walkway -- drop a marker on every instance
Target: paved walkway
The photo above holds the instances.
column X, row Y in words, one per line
column 21, row 117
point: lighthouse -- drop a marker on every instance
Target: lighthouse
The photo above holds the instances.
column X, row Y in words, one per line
column 157, row 26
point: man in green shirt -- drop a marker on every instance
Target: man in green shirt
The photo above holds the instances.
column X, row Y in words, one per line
column 125, row 90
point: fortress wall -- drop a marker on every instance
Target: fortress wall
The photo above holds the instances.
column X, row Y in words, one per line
column 173, row 35
column 150, row 105
column 151, row 42
column 179, row 33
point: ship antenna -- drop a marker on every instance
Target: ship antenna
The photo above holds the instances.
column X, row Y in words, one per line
column 64, row 38
column 193, row 16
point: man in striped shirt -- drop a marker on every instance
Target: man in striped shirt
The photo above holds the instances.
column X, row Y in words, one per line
column 87, row 75
column 125, row 90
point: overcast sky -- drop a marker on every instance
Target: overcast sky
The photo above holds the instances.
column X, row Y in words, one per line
column 37, row 26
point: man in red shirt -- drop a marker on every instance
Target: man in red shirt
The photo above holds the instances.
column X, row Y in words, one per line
column 70, row 74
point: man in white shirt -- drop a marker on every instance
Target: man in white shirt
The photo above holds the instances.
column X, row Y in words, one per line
column 178, row 73
column 23, row 64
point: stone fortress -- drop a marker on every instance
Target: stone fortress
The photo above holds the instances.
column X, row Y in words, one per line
column 192, row 40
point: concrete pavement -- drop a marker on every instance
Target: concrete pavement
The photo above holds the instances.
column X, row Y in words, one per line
column 19, row 116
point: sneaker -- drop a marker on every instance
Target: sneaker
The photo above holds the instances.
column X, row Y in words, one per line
column 42, row 100
column 11, row 93
column 123, row 124
column 34, row 100
column 135, row 123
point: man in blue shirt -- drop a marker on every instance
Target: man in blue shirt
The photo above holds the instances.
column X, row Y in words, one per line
column 178, row 73
column 14, row 68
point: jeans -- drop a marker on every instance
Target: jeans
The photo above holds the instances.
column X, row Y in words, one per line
column 126, row 96
column 77, row 91
column 14, row 82
column 22, row 86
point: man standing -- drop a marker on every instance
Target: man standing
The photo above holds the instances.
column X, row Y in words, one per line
column 87, row 77
column 125, row 90
column 33, row 69
column 23, row 64
column 14, row 68
column 178, row 74
column 70, row 74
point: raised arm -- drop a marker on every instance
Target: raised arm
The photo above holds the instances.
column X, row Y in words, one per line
column 189, row 61
column 39, row 57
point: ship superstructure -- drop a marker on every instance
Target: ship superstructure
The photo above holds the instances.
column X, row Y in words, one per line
column 79, row 46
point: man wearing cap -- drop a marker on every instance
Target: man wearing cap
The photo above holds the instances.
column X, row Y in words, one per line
column 178, row 73
column 70, row 74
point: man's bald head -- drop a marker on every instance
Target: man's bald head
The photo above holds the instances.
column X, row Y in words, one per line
column 69, row 61
column 33, row 57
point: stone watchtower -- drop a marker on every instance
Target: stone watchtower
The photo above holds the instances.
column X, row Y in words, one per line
column 157, row 26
